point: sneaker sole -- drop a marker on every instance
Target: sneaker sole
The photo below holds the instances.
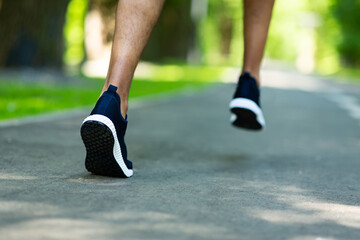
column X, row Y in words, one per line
column 103, row 152
column 246, row 114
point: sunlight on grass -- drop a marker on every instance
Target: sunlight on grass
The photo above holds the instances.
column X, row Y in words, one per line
column 18, row 99
column 348, row 74
column 178, row 72
column 21, row 98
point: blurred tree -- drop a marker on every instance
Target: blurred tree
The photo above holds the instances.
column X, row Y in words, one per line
column 173, row 35
column 32, row 33
column 347, row 14
column 74, row 33
column 327, row 36
column 107, row 10
column 220, row 32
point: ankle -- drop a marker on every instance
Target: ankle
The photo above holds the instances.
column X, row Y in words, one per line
column 254, row 73
column 124, row 106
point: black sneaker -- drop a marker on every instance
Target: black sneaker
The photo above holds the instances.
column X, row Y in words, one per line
column 103, row 135
column 245, row 106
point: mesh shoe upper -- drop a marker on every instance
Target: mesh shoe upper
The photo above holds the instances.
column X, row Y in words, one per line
column 109, row 105
column 247, row 88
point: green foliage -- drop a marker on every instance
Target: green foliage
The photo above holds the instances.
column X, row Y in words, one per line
column 74, row 32
column 347, row 15
column 284, row 36
column 327, row 36
column 285, row 31
column 223, row 23
column 220, row 32
column 337, row 34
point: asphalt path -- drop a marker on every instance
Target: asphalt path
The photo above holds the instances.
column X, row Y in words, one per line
column 196, row 177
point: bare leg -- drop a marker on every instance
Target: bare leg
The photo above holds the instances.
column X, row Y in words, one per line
column 257, row 16
column 135, row 20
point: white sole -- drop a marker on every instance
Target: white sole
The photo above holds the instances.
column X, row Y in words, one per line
column 116, row 149
column 245, row 103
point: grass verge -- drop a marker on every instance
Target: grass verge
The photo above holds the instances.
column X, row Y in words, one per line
column 348, row 74
column 19, row 98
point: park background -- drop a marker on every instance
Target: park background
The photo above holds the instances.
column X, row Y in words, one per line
column 54, row 54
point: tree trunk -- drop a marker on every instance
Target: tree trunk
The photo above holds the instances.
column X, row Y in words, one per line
column 31, row 33
column 171, row 37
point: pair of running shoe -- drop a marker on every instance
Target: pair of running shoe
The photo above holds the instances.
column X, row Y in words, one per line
column 104, row 130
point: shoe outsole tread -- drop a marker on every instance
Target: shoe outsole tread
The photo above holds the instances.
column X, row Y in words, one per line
column 245, row 118
column 99, row 144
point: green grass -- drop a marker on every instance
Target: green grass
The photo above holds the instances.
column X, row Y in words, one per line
column 184, row 72
column 23, row 99
column 18, row 99
column 348, row 74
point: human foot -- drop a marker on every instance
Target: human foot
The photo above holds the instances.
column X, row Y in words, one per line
column 245, row 105
column 103, row 135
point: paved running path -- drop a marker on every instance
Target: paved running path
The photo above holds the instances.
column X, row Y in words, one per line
column 196, row 177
